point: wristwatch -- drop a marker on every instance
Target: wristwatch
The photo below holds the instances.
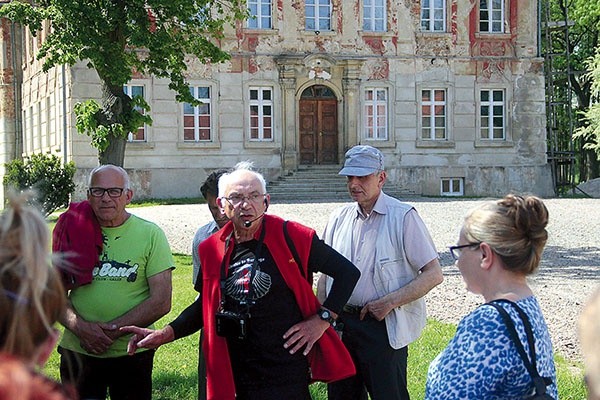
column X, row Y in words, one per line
column 325, row 315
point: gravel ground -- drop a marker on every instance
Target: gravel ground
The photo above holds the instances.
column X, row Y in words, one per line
column 569, row 272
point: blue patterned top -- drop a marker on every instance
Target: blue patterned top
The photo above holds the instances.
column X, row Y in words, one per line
column 481, row 361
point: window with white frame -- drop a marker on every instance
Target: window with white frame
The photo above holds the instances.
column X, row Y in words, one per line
column 492, row 110
column 260, row 14
column 317, row 14
column 132, row 91
column 261, row 113
column 374, row 15
column 376, row 113
column 452, row 187
column 491, row 16
column 433, row 15
column 433, row 114
column 197, row 119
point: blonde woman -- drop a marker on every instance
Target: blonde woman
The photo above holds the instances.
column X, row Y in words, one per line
column 32, row 299
column 499, row 246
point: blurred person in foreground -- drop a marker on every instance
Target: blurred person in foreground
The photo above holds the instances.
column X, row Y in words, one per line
column 266, row 336
column 130, row 284
column 389, row 243
column 31, row 301
column 589, row 335
column 499, row 246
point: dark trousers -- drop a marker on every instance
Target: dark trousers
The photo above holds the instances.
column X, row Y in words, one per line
column 380, row 369
column 124, row 378
column 201, row 370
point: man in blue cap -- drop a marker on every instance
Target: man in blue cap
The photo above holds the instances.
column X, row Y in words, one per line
column 389, row 243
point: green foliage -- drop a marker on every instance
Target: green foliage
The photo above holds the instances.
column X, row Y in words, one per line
column 175, row 365
column 590, row 131
column 116, row 38
column 46, row 176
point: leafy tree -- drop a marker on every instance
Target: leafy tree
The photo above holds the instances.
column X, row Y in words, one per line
column 580, row 44
column 118, row 37
column 51, row 182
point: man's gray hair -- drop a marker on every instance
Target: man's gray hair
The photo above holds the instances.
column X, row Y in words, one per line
column 239, row 168
column 126, row 181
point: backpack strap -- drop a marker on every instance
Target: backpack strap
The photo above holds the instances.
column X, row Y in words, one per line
column 292, row 248
column 539, row 382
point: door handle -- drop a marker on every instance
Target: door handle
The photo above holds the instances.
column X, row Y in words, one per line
column 320, row 133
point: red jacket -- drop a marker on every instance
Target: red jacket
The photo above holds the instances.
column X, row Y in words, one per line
column 77, row 236
column 329, row 360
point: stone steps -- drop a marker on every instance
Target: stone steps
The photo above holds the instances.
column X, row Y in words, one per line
column 317, row 184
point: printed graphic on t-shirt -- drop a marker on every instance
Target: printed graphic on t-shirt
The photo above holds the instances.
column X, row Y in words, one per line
column 112, row 270
column 237, row 284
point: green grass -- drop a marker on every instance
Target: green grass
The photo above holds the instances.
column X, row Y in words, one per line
column 175, row 364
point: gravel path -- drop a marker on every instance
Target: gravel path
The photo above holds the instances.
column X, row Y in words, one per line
column 569, row 272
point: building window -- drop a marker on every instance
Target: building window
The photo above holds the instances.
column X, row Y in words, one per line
column 433, row 114
column 132, row 91
column 376, row 113
column 318, row 15
column 374, row 15
column 452, row 187
column 433, row 15
column 260, row 14
column 492, row 110
column 197, row 119
column 491, row 16
column 261, row 114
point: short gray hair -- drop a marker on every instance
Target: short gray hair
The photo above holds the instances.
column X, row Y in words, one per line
column 120, row 170
column 241, row 167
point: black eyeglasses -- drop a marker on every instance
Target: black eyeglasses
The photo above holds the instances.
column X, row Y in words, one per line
column 99, row 192
column 456, row 250
column 238, row 199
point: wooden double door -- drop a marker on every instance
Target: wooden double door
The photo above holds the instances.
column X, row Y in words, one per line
column 318, row 126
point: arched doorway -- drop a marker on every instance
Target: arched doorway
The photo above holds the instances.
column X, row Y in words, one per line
column 318, row 126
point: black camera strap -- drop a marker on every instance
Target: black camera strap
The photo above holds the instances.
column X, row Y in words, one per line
column 225, row 266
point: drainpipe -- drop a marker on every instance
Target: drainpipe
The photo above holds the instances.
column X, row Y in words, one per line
column 64, row 109
column 17, row 90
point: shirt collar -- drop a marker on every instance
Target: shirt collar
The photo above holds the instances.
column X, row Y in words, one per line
column 379, row 207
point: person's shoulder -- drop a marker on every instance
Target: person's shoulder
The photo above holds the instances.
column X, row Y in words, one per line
column 147, row 224
column 343, row 210
column 391, row 201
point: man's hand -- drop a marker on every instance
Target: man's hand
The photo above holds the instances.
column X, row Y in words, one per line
column 147, row 338
column 92, row 337
column 377, row 309
column 305, row 334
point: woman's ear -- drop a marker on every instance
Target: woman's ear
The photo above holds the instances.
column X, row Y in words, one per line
column 487, row 255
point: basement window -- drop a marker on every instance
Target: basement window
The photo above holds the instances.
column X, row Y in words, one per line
column 452, row 187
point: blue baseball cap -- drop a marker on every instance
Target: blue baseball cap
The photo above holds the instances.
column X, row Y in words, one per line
column 362, row 161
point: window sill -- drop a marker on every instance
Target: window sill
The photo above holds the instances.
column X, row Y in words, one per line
column 139, row 146
column 198, row 145
column 433, row 144
column 494, row 143
column 262, row 31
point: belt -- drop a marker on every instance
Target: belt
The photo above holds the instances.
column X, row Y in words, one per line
column 352, row 309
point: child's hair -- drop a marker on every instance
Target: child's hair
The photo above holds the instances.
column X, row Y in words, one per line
column 32, row 297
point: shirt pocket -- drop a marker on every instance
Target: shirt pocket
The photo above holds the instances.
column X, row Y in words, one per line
column 393, row 275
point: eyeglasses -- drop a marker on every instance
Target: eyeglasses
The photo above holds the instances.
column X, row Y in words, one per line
column 99, row 192
column 236, row 199
column 455, row 251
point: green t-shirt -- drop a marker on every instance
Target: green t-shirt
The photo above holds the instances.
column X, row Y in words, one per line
column 131, row 254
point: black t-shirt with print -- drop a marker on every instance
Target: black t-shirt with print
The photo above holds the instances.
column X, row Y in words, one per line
column 260, row 360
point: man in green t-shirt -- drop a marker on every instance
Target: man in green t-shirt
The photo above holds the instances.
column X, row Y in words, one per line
column 131, row 285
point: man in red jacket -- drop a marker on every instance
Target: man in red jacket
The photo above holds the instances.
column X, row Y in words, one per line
column 266, row 334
